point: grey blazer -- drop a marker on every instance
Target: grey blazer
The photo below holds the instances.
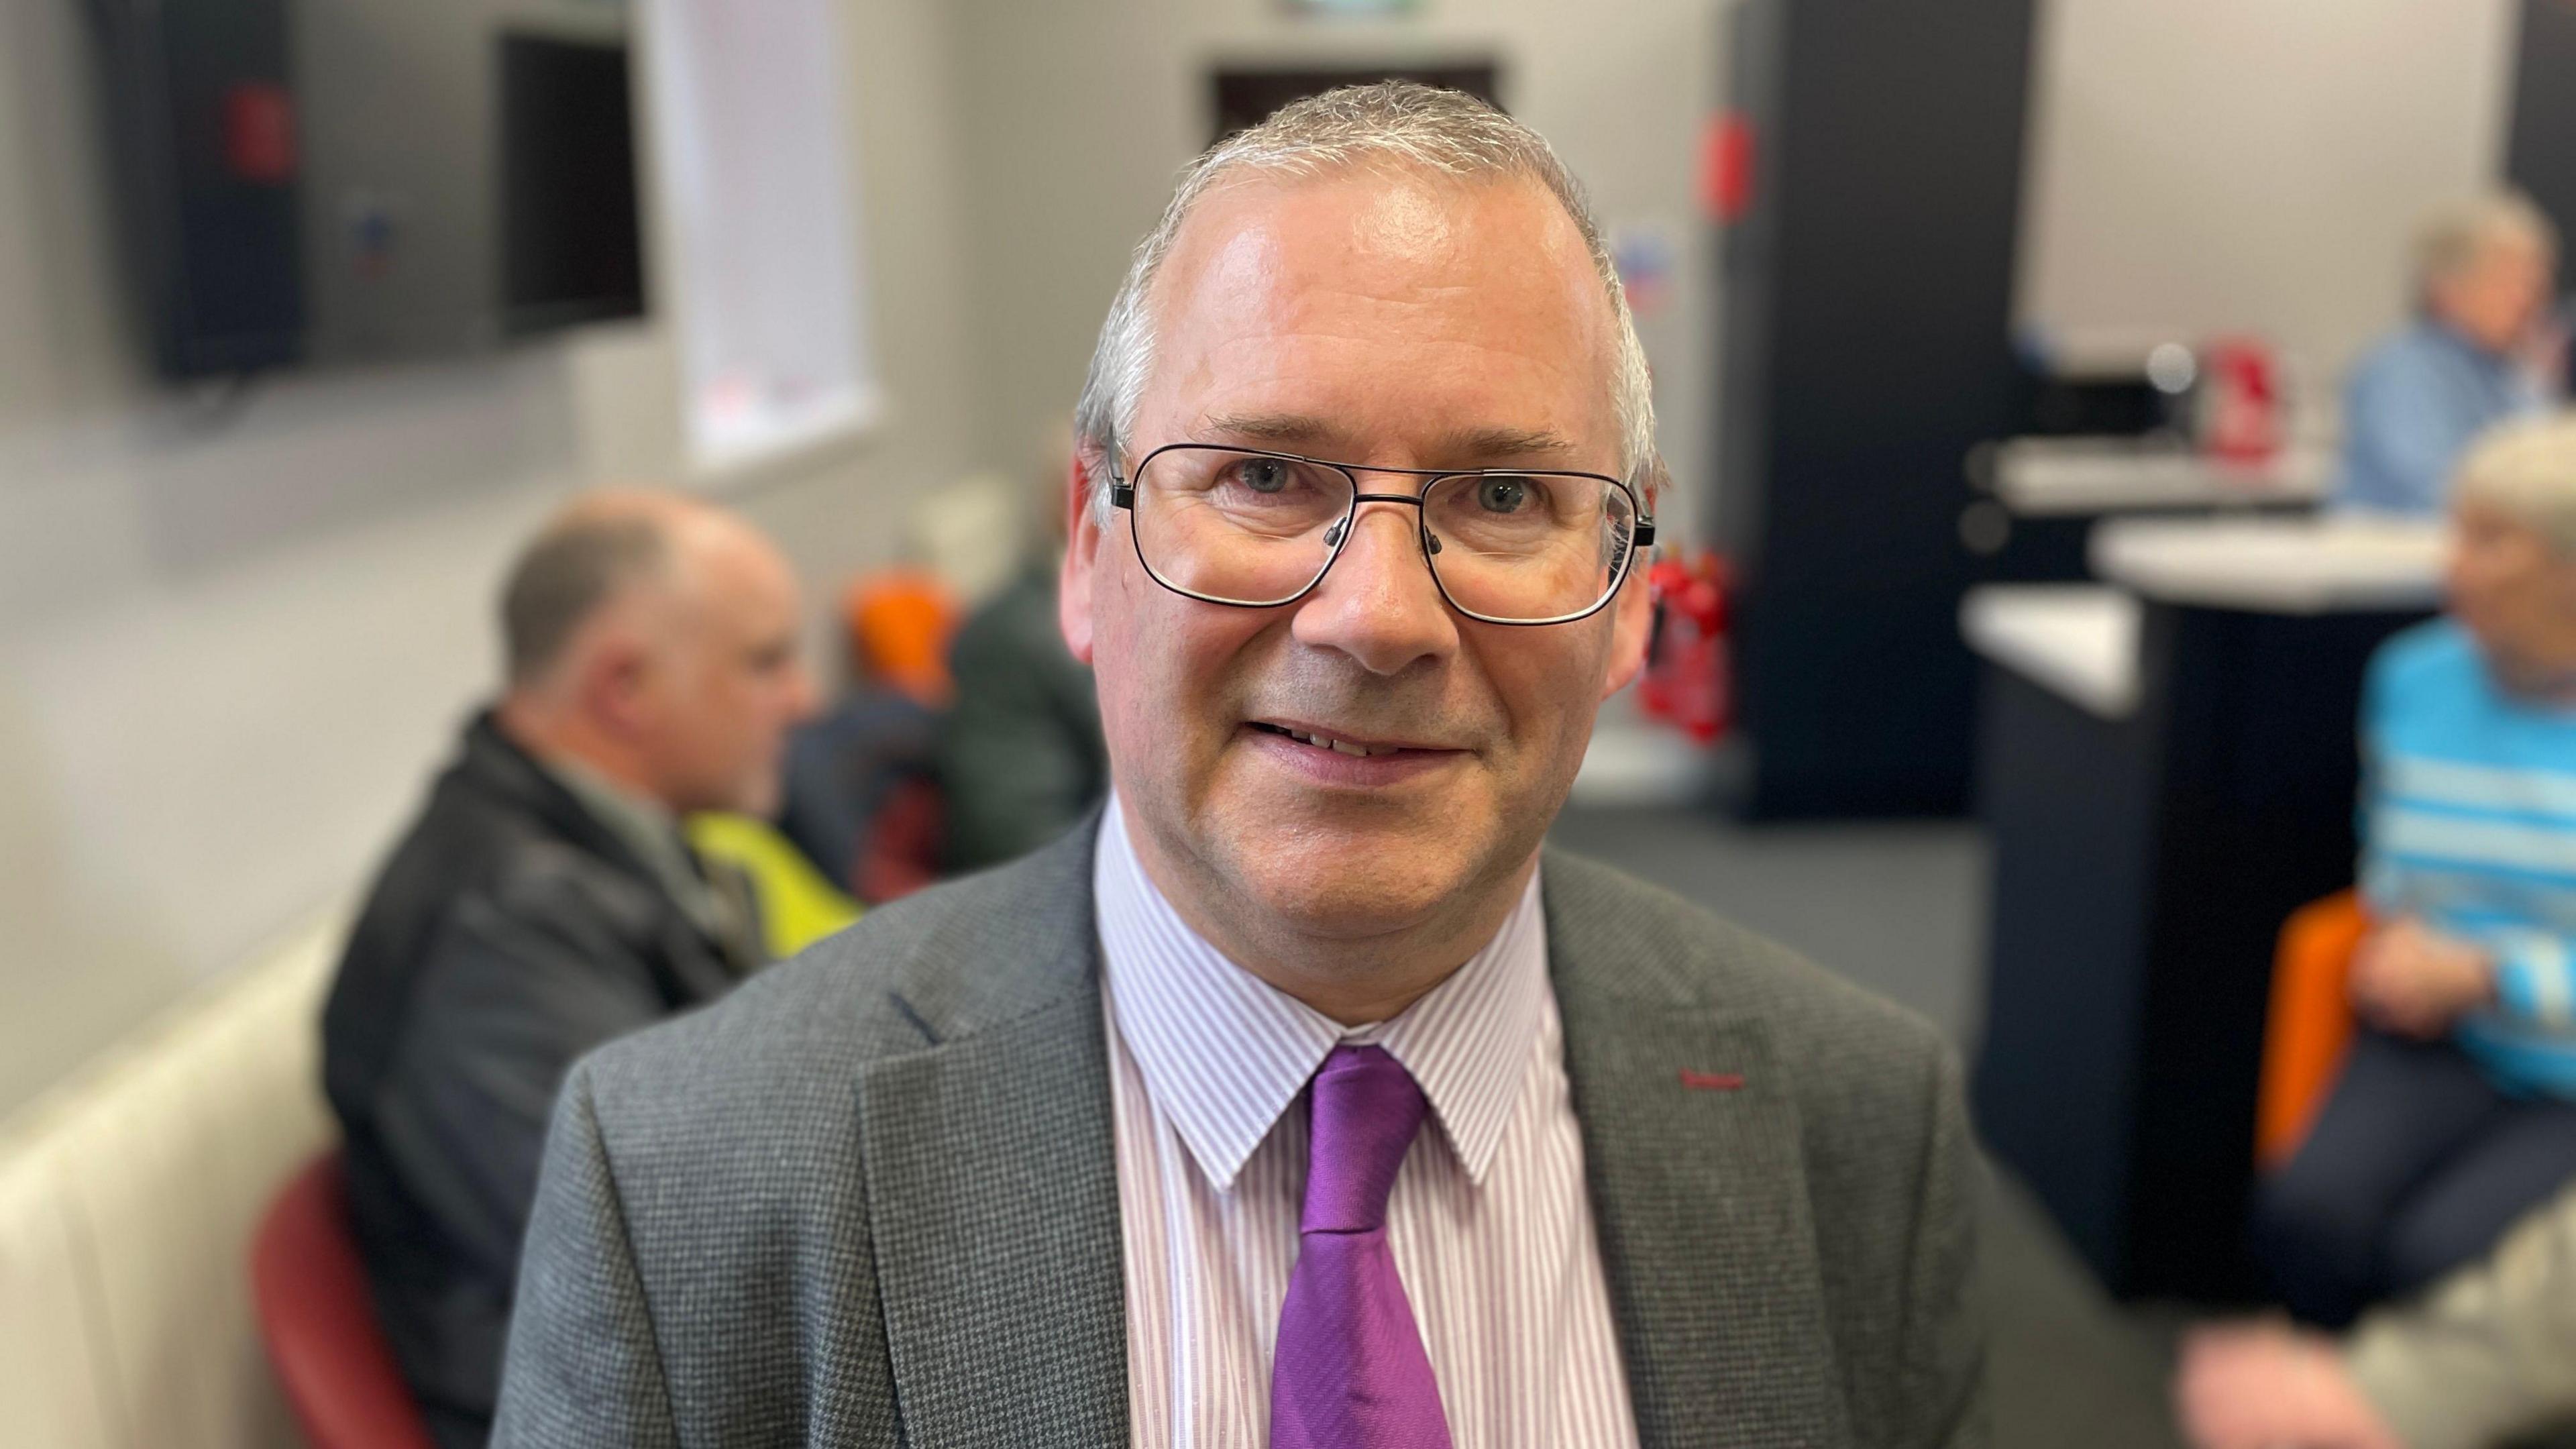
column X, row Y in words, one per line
column 870, row 1198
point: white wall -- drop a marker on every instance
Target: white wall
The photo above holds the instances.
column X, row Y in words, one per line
column 230, row 655
column 232, row 648
column 2206, row 166
column 1078, row 116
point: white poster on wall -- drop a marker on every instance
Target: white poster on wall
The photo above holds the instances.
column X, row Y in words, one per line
column 753, row 150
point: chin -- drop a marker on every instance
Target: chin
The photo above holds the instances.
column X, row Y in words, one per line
column 760, row 801
column 1351, row 883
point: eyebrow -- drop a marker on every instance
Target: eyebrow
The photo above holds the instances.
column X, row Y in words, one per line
column 1279, row 429
column 1465, row 449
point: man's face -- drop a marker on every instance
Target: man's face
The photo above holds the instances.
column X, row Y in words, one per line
column 2514, row 593
column 724, row 681
column 1391, row 322
column 2497, row 300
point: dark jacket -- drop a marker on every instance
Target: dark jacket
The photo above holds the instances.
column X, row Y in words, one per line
column 1020, row 757
column 872, row 1199
column 510, row 932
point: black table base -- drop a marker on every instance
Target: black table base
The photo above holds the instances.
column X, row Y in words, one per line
column 2143, row 868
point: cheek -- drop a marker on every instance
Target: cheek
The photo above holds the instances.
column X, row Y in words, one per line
column 1549, row 683
column 1161, row 663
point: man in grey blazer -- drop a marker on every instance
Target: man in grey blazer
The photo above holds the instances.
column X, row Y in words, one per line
column 1299, row 1097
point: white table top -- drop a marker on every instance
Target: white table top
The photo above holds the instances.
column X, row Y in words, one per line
column 2075, row 640
column 2319, row 565
column 2038, row 477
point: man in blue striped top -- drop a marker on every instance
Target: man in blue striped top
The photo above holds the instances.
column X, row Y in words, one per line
column 2456, row 1110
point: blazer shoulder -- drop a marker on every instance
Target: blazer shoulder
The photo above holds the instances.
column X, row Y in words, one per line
column 1617, row 938
column 1876, row 1089
column 783, row 1052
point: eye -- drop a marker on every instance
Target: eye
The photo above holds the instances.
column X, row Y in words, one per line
column 1503, row 494
column 1262, row 475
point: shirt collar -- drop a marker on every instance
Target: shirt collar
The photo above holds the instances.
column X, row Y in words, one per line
column 2459, row 343
column 650, row 830
column 1223, row 1053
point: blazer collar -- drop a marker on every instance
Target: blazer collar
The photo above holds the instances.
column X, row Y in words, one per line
column 989, row 1170
column 989, row 1164
column 1698, row 1184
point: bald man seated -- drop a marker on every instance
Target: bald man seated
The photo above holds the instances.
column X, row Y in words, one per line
column 546, row 902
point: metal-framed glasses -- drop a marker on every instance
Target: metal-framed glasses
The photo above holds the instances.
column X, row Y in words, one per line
column 1257, row 529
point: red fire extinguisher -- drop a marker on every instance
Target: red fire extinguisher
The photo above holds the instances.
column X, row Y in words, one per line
column 2241, row 403
column 1686, row 681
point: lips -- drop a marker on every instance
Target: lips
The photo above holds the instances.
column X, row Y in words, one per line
column 1327, row 742
column 1355, row 748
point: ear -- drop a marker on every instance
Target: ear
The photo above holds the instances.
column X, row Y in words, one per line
column 1083, row 536
column 1632, row 617
column 609, row 681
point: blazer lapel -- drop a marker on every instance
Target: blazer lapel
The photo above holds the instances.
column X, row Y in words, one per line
column 992, row 1195
column 1691, row 1148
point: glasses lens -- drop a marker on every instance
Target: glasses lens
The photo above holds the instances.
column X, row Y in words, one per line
column 1527, row 547
column 1241, row 528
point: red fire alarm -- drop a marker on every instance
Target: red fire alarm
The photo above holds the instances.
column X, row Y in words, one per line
column 259, row 133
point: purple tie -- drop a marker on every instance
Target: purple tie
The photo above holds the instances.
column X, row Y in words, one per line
column 1350, row 1372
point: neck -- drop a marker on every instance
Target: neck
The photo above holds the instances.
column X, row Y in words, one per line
column 2469, row 337
column 2546, row 679
column 1354, row 976
column 559, row 737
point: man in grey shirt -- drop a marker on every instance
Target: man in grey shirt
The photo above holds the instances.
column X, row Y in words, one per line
column 545, row 902
column 2484, row 1357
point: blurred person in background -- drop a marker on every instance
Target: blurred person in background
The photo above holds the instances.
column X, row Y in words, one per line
column 1296, row 1098
column 2484, row 347
column 546, row 901
column 2455, row 1111
column 1020, row 756
column 2485, row 1358
column 855, row 767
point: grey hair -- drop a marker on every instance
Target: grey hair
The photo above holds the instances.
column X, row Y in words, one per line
column 588, row 554
column 2527, row 472
column 1398, row 125
column 2456, row 237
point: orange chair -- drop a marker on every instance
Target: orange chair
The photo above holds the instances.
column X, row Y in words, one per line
column 319, row 1323
column 2310, row 1021
column 899, row 623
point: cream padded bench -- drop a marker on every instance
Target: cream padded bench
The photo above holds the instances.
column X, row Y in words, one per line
column 128, row 1196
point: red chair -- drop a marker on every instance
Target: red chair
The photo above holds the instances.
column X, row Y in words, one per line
column 899, row 854
column 319, row 1323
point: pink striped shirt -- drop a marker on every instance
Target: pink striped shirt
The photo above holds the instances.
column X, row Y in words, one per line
column 1489, row 1222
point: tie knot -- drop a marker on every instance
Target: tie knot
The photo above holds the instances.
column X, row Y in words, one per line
column 1366, row 1109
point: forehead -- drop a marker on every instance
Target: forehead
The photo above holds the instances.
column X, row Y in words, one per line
column 2510, row 246
column 1394, row 310
column 730, row 574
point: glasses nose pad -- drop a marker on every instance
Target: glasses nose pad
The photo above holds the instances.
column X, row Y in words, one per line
column 1333, row 535
column 1431, row 541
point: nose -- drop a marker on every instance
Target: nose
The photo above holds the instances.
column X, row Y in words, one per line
column 1378, row 604
column 804, row 701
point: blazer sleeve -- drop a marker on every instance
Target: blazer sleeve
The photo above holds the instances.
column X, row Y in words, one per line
column 1945, row 1339
column 584, row 1367
column 2490, row 1352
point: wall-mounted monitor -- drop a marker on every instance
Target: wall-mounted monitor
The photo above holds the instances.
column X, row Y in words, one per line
column 318, row 182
